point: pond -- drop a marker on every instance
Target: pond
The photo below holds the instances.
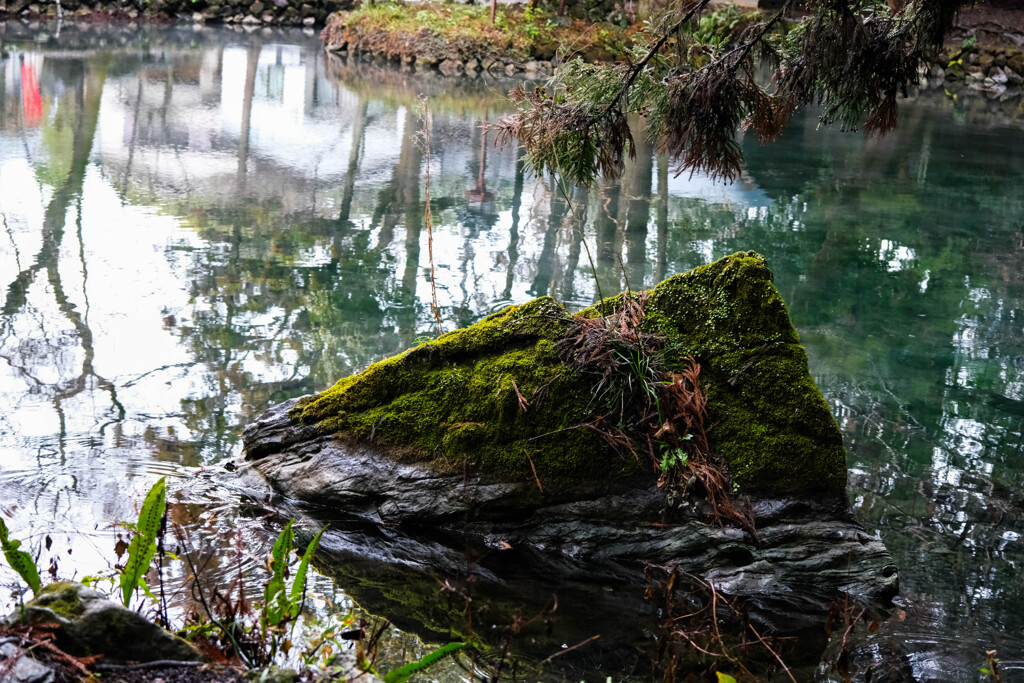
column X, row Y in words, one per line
column 199, row 224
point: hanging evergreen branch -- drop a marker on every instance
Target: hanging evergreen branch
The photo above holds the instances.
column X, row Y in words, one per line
column 852, row 57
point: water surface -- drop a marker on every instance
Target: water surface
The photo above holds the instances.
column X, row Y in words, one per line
column 200, row 224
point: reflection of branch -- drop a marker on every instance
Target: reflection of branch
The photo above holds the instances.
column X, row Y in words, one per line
column 134, row 140
column 513, row 240
column 10, row 235
column 358, row 135
column 48, row 257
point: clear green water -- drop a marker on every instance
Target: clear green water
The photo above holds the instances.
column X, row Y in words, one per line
column 198, row 225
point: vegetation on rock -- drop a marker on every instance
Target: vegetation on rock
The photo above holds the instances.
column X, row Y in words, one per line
column 433, row 32
column 498, row 395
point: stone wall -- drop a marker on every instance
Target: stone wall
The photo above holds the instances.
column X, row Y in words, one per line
column 994, row 69
column 250, row 12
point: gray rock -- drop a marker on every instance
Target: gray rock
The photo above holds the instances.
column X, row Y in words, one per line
column 798, row 550
column 995, row 91
column 472, row 65
column 998, row 75
column 450, row 67
column 90, row 623
column 975, row 76
column 587, row 529
column 309, row 21
column 1012, row 77
column 938, row 72
column 25, row 669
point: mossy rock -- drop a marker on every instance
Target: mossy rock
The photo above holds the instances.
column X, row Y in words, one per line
column 88, row 623
column 461, row 401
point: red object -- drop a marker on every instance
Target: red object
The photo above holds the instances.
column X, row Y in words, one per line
column 31, row 100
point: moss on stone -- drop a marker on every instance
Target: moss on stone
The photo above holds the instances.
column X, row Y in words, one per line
column 454, row 401
column 62, row 598
column 768, row 420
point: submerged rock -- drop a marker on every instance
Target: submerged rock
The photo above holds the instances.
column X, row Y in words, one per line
column 478, row 439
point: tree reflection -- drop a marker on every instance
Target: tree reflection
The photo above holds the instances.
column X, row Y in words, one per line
column 300, row 212
column 77, row 111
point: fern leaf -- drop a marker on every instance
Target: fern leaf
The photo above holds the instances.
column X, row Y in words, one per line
column 299, row 583
column 143, row 545
column 19, row 560
column 275, row 597
column 403, row 674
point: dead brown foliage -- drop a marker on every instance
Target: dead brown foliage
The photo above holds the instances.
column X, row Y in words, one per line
column 693, row 633
column 642, row 406
column 38, row 641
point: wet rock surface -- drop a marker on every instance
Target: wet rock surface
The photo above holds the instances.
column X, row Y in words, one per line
column 400, row 519
column 406, row 543
column 808, row 550
column 18, row 666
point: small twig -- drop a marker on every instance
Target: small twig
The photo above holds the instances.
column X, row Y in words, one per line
column 524, row 405
column 157, row 664
column 570, row 649
column 775, row 654
column 428, row 217
column 535, row 477
column 750, row 362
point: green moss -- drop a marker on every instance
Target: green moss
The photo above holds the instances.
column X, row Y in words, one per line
column 454, row 401
column 62, row 598
column 768, row 419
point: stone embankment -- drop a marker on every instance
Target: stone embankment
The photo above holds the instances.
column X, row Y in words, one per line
column 244, row 12
column 987, row 83
column 995, row 70
column 458, row 40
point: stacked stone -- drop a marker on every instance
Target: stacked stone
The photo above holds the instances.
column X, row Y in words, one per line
column 997, row 72
column 247, row 12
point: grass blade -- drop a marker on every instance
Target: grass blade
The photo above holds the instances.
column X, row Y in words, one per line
column 275, row 597
column 299, row 583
